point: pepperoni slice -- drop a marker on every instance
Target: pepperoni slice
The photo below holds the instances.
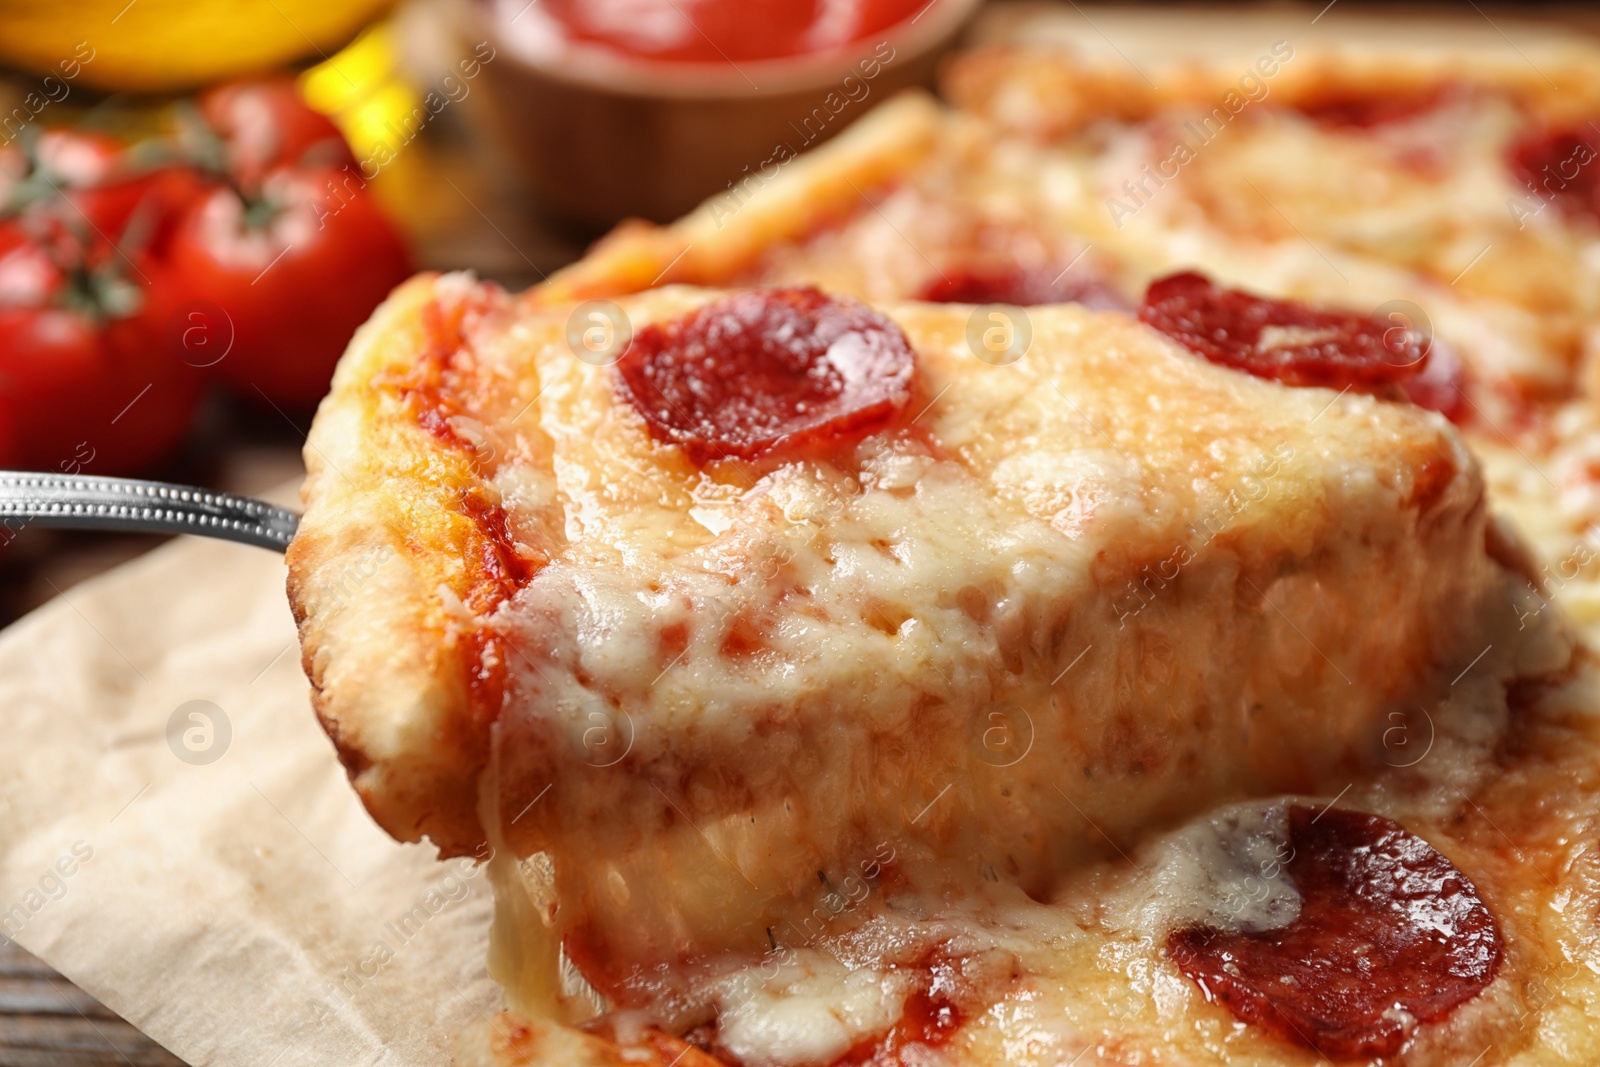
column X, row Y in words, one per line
column 769, row 368
column 1390, row 935
column 1021, row 287
column 1279, row 339
column 1442, row 385
column 1349, row 108
column 1561, row 165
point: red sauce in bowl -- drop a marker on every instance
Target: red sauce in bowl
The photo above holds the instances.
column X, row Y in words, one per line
column 722, row 31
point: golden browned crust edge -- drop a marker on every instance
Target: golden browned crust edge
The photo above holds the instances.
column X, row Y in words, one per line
column 385, row 533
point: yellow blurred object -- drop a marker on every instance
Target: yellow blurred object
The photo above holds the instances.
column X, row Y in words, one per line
column 362, row 90
column 165, row 45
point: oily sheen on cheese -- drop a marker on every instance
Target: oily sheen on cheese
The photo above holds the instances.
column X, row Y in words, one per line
column 1048, row 606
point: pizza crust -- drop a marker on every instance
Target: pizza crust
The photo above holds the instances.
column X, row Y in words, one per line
column 384, row 556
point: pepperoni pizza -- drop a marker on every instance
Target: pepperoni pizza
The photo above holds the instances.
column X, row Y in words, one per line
column 828, row 682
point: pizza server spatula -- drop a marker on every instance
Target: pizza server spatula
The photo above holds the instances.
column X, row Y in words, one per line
column 83, row 502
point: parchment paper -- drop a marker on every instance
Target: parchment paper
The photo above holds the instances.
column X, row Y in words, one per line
column 218, row 884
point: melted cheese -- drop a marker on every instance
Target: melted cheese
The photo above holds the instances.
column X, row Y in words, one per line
column 524, row 955
column 976, row 640
column 811, row 1010
column 1082, row 975
column 1224, row 870
column 1422, row 214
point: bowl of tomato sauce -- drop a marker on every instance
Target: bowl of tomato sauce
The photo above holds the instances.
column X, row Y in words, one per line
column 645, row 108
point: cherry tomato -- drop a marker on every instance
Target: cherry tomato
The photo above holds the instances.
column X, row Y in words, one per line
column 88, row 381
column 257, row 259
column 294, row 274
column 264, row 124
column 92, row 187
column 90, row 172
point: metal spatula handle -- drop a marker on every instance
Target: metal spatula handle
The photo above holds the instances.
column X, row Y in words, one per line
column 80, row 502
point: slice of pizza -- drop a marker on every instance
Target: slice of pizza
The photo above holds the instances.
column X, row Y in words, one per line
column 743, row 609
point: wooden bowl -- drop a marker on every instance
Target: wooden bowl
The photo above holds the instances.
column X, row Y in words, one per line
column 603, row 136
